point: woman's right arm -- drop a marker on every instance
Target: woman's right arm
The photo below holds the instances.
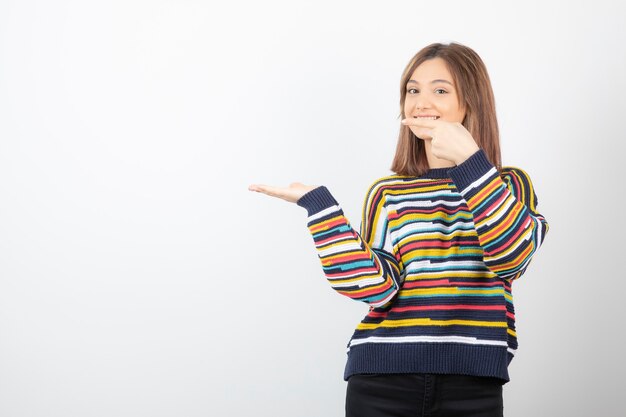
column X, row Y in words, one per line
column 363, row 266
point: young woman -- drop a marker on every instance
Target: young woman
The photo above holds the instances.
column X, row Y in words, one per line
column 440, row 245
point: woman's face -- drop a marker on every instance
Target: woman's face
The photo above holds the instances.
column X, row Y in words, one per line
column 430, row 92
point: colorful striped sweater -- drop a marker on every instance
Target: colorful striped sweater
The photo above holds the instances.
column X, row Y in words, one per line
column 435, row 260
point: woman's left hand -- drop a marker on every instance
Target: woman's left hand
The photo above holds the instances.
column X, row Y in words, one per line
column 449, row 140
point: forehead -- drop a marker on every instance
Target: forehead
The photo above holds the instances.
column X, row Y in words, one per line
column 431, row 69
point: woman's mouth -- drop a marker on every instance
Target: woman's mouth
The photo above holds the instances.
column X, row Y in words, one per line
column 426, row 117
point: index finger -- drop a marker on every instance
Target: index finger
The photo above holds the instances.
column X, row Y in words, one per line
column 419, row 122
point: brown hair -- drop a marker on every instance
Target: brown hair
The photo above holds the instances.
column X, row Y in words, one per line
column 470, row 77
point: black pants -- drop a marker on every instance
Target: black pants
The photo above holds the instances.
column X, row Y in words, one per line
column 422, row 395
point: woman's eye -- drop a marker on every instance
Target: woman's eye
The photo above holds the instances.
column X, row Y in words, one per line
column 442, row 91
column 411, row 90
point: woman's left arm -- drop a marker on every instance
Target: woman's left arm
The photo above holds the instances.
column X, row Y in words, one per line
column 510, row 230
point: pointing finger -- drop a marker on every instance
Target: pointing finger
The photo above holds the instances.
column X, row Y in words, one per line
column 411, row 121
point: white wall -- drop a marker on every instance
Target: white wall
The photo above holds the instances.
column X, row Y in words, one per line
column 139, row 277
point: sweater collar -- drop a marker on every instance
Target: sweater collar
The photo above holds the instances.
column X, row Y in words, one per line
column 437, row 173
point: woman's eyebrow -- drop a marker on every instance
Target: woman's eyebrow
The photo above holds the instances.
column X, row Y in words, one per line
column 432, row 82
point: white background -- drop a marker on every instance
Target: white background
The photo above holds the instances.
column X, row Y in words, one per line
column 139, row 277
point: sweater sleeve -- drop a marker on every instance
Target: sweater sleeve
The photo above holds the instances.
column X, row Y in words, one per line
column 509, row 228
column 362, row 269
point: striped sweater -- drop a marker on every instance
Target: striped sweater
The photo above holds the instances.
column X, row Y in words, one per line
column 435, row 259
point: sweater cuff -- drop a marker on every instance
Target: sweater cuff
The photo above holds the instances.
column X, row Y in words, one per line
column 317, row 200
column 470, row 170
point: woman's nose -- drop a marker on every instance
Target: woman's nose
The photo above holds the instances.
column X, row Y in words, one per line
column 422, row 102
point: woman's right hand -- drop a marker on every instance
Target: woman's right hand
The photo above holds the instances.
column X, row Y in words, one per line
column 293, row 193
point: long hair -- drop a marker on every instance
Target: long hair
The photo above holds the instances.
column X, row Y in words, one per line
column 475, row 94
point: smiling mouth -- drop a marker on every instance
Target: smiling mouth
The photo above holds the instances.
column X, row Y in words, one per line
column 426, row 117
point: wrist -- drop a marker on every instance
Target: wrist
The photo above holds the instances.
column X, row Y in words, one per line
column 467, row 156
column 317, row 200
